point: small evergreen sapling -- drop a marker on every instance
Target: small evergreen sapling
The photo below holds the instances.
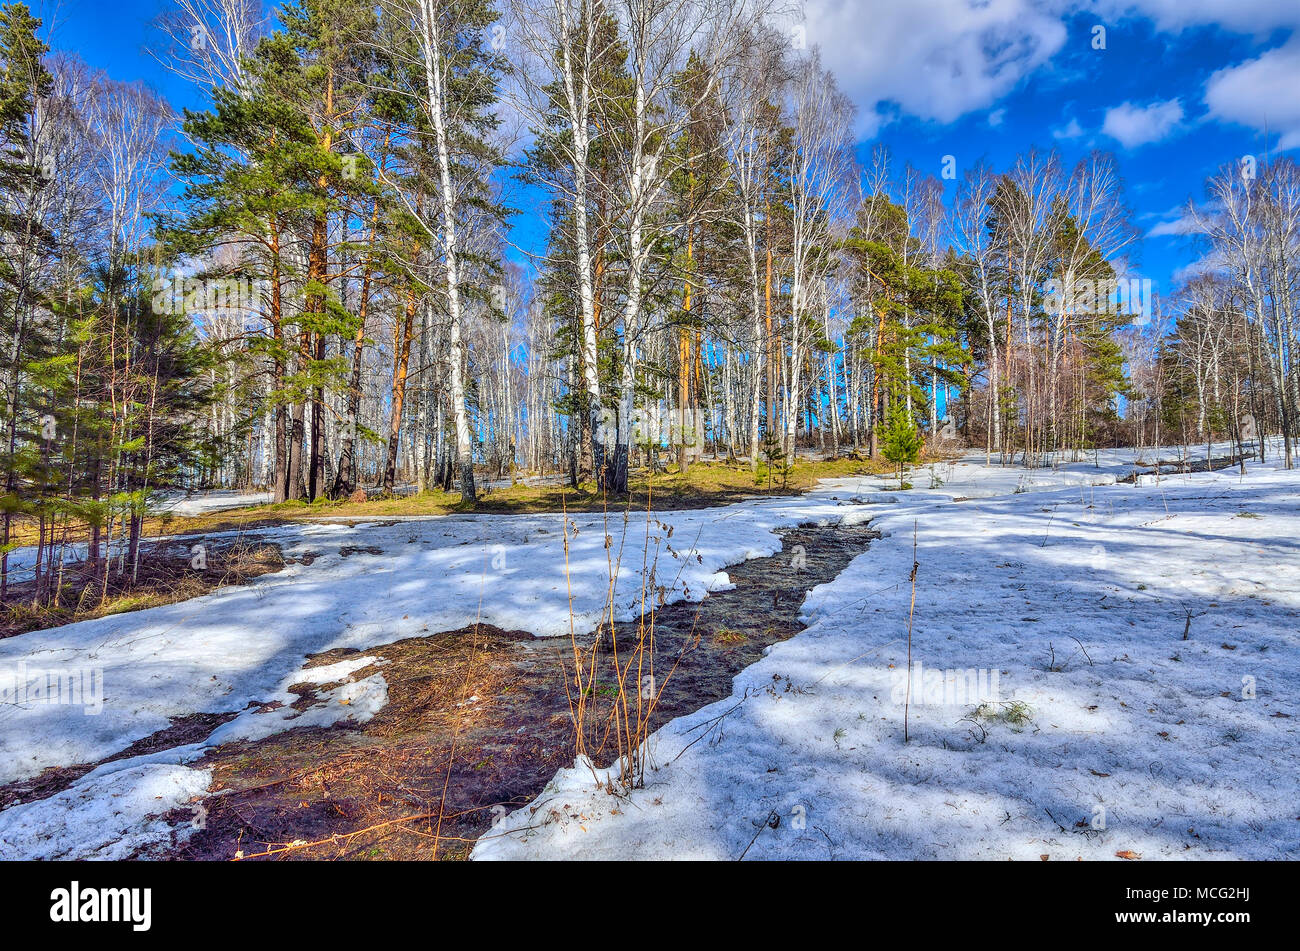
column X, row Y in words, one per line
column 901, row 440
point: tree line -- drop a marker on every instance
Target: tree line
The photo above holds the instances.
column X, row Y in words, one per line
column 310, row 283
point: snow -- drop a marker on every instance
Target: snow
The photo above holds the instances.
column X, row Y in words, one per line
column 242, row 647
column 245, row 644
column 361, row 698
column 206, row 502
column 1134, row 739
column 106, row 817
column 1068, row 591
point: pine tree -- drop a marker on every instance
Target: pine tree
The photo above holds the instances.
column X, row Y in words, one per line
column 901, row 440
column 272, row 165
column 28, row 243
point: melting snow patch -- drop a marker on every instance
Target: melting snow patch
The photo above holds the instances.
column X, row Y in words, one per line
column 106, row 816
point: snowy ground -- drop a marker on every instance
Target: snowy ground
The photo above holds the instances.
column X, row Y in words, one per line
column 367, row 584
column 1104, row 731
column 203, row 503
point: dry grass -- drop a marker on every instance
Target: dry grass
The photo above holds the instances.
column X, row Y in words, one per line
column 410, row 783
column 705, row 484
column 165, row 577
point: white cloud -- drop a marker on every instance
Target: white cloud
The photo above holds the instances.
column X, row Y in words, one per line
column 996, row 117
column 1174, row 223
column 1134, row 126
column 1072, row 130
column 1212, row 262
column 1261, row 93
column 1239, row 16
column 934, row 59
column 944, row 59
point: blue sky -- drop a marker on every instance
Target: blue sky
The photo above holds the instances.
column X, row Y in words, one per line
column 113, row 36
column 1064, row 105
column 1181, row 87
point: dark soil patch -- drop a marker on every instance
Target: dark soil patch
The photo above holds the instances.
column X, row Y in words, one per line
column 478, row 721
column 166, row 574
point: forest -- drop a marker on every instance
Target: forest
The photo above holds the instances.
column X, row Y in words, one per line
column 316, row 285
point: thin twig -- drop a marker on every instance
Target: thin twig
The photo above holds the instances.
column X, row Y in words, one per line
column 907, row 703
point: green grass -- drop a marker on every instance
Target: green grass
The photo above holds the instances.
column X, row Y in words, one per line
column 1015, row 713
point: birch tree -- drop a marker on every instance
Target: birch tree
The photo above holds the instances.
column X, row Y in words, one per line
column 456, row 71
